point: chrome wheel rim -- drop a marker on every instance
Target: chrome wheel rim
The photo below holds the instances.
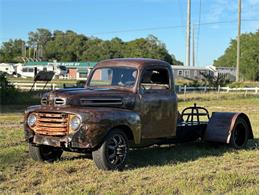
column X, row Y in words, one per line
column 116, row 150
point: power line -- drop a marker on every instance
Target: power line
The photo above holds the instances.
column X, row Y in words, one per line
column 169, row 27
column 156, row 28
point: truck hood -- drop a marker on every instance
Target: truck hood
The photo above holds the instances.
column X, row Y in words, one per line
column 97, row 97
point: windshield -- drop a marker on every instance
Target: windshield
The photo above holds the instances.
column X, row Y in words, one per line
column 115, row 76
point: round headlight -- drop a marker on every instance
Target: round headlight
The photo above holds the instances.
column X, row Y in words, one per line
column 31, row 120
column 75, row 123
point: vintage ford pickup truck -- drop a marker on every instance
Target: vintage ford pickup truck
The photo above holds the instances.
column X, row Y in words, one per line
column 126, row 103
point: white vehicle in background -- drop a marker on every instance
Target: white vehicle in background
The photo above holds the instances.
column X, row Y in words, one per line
column 31, row 71
column 7, row 68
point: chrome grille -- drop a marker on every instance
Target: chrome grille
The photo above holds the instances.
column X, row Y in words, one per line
column 52, row 123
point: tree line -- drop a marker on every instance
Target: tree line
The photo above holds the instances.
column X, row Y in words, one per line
column 249, row 57
column 70, row 46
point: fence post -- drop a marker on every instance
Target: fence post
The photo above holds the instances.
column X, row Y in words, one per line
column 185, row 88
column 15, row 85
column 227, row 89
column 245, row 93
column 35, row 86
column 218, row 88
column 205, row 89
column 256, row 89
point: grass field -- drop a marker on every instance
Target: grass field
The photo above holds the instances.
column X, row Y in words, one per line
column 191, row 168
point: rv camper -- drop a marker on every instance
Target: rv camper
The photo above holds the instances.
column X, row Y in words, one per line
column 31, row 70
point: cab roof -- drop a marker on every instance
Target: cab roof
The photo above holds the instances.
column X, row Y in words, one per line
column 131, row 62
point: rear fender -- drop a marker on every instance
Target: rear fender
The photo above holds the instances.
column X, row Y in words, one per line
column 221, row 125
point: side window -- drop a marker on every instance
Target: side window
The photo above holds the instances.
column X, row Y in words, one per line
column 157, row 78
column 195, row 73
column 180, row 73
column 187, row 73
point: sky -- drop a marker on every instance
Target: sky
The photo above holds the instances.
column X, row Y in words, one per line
column 131, row 19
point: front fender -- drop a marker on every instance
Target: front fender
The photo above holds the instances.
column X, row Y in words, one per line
column 100, row 121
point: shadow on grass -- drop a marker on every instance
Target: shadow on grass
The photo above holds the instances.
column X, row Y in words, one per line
column 8, row 109
column 174, row 154
column 79, row 156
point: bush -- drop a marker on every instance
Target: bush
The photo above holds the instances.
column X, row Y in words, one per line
column 10, row 95
column 214, row 81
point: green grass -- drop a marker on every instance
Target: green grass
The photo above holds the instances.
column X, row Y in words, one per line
column 190, row 168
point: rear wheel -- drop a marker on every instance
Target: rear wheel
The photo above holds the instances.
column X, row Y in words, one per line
column 112, row 154
column 239, row 136
column 44, row 153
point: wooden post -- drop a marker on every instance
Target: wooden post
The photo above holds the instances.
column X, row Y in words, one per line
column 245, row 92
column 218, row 88
column 187, row 63
column 180, row 88
column 238, row 40
column 228, row 89
column 185, row 88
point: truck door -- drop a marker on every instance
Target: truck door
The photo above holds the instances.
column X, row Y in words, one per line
column 158, row 103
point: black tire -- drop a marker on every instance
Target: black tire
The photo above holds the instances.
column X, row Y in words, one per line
column 240, row 133
column 44, row 153
column 113, row 152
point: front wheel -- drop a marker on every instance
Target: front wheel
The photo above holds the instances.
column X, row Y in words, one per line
column 112, row 154
column 44, row 153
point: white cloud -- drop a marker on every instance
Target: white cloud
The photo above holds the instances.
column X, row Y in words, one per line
column 226, row 10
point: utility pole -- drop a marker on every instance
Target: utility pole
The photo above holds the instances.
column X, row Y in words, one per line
column 193, row 45
column 238, row 40
column 188, row 34
column 22, row 49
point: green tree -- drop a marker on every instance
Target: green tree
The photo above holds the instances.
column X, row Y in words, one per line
column 249, row 59
column 37, row 41
column 149, row 47
column 11, row 51
column 70, row 46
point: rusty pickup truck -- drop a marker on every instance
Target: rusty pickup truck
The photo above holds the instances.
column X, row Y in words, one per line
column 126, row 103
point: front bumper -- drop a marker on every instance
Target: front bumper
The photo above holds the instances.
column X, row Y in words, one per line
column 77, row 140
